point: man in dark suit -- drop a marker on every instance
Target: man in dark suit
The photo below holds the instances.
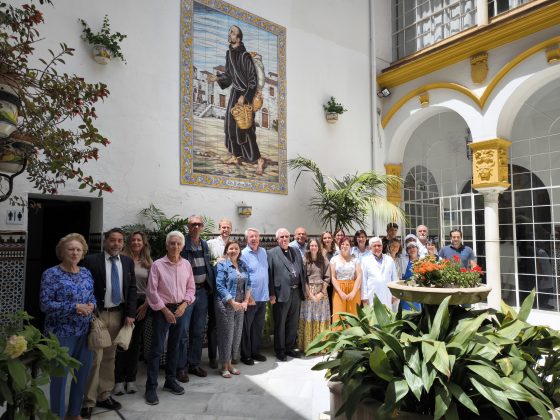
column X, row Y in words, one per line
column 114, row 285
column 285, row 286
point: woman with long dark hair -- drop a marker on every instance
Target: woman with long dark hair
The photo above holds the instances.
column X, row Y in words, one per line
column 315, row 314
column 126, row 362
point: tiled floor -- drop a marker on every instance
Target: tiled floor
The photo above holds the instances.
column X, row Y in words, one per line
column 267, row 390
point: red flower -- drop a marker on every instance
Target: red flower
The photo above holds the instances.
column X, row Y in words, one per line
column 477, row 269
column 463, row 270
column 456, row 258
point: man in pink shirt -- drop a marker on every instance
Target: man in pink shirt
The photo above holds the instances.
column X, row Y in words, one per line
column 170, row 294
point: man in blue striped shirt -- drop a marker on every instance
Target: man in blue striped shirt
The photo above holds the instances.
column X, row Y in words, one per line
column 197, row 253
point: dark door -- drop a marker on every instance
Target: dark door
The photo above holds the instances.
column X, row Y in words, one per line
column 46, row 225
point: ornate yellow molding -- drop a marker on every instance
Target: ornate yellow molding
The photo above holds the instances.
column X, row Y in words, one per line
column 514, row 62
column 479, row 67
column 481, row 102
column 393, row 194
column 490, row 163
column 416, row 92
column 553, row 54
column 520, row 22
column 424, row 99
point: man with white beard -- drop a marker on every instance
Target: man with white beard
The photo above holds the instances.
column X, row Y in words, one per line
column 422, row 235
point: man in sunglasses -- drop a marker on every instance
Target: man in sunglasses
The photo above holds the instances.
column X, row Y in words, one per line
column 197, row 253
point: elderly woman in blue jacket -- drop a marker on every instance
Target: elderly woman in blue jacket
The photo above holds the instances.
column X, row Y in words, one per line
column 233, row 291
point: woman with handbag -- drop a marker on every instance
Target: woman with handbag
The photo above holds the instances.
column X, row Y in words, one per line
column 67, row 300
column 126, row 362
column 233, row 292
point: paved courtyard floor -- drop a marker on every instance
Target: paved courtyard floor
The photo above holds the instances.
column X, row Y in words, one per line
column 267, row 390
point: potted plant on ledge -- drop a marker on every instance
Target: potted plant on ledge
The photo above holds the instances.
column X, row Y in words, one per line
column 105, row 44
column 332, row 110
column 452, row 362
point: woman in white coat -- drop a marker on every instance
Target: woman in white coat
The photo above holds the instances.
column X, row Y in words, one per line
column 378, row 270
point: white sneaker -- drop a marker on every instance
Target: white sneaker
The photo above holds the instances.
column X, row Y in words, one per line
column 131, row 388
column 119, row 388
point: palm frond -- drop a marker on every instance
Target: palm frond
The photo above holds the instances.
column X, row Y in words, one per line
column 347, row 202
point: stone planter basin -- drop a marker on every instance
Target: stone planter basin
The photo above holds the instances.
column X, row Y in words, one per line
column 367, row 410
column 436, row 295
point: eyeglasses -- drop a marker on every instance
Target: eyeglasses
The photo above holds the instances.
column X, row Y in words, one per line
column 197, row 225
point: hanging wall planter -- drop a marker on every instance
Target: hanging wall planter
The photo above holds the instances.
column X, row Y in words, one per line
column 101, row 54
column 105, row 44
column 332, row 117
column 9, row 107
column 12, row 158
column 332, row 110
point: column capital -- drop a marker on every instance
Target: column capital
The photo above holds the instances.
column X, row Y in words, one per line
column 393, row 194
column 490, row 164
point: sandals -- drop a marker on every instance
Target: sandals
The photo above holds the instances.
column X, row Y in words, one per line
column 234, row 371
column 226, row 374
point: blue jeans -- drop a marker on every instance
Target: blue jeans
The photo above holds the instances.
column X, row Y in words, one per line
column 78, row 349
column 196, row 330
column 177, row 333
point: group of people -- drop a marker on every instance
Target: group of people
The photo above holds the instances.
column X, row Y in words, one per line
column 216, row 286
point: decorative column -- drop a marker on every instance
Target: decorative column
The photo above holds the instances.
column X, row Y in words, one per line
column 482, row 12
column 393, row 193
column 490, row 176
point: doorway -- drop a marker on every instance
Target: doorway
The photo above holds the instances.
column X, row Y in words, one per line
column 50, row 221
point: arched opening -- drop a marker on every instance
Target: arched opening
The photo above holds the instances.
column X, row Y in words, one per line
column 436, row 164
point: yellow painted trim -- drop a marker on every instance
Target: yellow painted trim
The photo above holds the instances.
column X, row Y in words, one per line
column 509, row 66
column 482, row 186
column 497, row 143
column 423, row 89
column 481, row 102
column 535, row 16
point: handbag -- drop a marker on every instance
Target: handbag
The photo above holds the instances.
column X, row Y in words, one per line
column 124, row 336
column 98, row 337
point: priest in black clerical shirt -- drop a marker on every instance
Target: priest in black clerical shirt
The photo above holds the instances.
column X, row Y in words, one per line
column 285, row 285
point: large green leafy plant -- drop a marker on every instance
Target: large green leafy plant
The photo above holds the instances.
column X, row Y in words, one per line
column 159, row 225
column 57, row 110
column 346, row 203
column 27, row 360
column 444, row 361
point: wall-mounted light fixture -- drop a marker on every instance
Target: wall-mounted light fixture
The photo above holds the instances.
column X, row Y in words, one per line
column 244, row 210
column 383, row 93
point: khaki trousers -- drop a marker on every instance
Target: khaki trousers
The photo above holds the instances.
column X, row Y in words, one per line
column 101, row 379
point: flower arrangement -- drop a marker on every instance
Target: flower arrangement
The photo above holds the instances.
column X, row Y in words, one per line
column 104, row 37
column 429, row 272
column 27, row 360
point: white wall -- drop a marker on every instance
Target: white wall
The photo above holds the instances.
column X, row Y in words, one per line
column 327, row 54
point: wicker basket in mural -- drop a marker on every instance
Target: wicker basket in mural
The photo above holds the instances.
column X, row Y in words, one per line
column 243, row 116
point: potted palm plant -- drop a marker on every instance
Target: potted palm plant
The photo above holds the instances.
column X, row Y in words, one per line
column 104, row 43
column 332, row 110
column 347, row 202
column 450, row 362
